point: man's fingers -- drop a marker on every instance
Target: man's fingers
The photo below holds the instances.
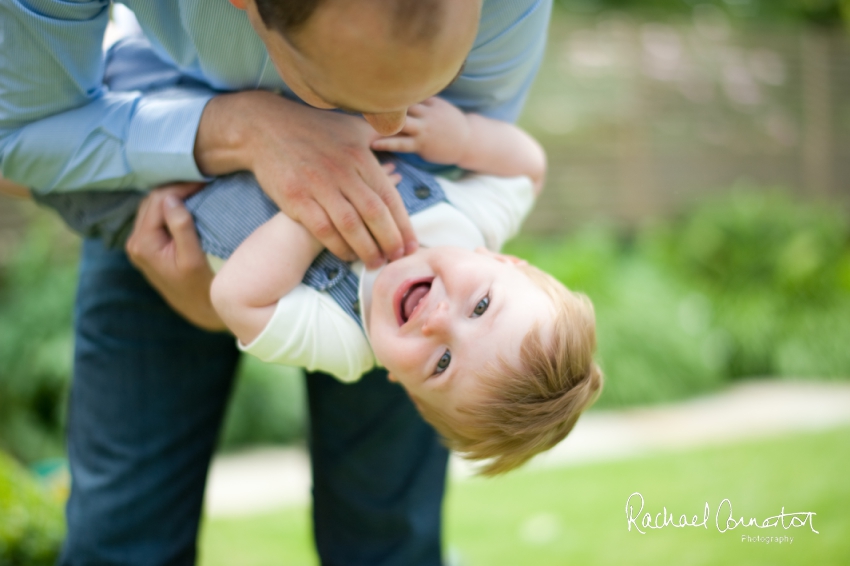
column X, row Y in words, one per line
column 149, row 234
column 187, row 247
column 401, row 220
column 317, row 221
column 401, row 144
column 151, row 230
column 417, row 110
column 349, row 216
column 412, row 126
column 152, row 218
column 387, row 217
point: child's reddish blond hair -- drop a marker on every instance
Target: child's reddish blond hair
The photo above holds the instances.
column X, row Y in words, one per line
column 530, row 408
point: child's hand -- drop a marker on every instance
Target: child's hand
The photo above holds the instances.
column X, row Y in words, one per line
column 436, row 130
column 389, row 169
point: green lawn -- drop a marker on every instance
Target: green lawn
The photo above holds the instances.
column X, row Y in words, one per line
column 577, row 515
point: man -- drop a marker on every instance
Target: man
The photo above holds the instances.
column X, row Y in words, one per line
column 200, row 99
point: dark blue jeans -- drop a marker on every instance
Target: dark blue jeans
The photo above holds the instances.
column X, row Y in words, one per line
column 147, row 401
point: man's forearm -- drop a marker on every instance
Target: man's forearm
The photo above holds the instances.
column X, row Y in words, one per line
column 68, row 124
column 221, row 145
column 231, row 129
column 118, row 141
column 10, row 189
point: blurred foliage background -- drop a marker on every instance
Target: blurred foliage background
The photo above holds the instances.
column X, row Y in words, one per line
column 696, row 194
column 789, row 12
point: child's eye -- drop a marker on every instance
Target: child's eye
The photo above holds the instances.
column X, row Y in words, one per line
column 444, row 362
column 481, row 307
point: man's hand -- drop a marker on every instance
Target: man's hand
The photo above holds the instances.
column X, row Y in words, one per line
column 436, row 130
column 11, row 189
column 165, row 248
column 317, row 167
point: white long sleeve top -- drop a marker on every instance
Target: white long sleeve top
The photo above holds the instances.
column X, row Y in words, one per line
column 309, row 329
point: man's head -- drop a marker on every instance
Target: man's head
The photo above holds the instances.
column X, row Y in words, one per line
column 496, row 354
column 375, row 57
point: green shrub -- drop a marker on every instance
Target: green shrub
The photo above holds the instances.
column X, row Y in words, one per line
column 819, row 12
column 36, row 301
column 268, row 406
column 656, row 340
column 777, row 272
column 754, row 283
column 31, row 524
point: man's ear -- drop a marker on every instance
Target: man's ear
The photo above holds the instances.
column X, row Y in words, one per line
column 504, row 258
column 392, row 378
column 239, row 4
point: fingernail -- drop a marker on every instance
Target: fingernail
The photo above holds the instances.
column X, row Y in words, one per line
column 398, row 253
column 411, row 247
column 172, row 201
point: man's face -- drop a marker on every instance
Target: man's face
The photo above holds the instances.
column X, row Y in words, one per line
column 440, row 316
column 348, row 57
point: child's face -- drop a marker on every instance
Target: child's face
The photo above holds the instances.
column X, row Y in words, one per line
column 440, row 315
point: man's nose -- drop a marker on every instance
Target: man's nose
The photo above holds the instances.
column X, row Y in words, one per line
column 437, row 323
column 387, row 123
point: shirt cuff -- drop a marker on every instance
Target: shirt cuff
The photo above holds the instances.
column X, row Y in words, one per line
column 161, row 141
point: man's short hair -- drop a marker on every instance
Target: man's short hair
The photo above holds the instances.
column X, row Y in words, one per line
column 412, row 20
column 530, row 408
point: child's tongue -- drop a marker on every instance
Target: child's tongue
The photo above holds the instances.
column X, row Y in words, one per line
column 416, row 294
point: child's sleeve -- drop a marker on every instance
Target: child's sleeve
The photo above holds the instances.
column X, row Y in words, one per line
column 496, row 205
column 310, row 330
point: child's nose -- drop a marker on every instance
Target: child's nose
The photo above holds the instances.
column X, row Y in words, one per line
column 437, row 322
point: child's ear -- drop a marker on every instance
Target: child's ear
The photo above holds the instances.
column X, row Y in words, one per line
column 504, row 258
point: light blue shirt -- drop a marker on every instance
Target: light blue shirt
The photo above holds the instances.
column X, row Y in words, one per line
column 62, row 129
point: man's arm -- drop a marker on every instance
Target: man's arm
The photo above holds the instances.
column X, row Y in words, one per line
column 61, row 129
column 15, row 190
column 165, row 237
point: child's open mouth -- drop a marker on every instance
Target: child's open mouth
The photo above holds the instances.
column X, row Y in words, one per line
column 408, row 298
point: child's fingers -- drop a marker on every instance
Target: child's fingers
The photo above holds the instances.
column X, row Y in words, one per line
column 416, row 111
column 402, row 144
column 389, row 169
column 412, row 126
